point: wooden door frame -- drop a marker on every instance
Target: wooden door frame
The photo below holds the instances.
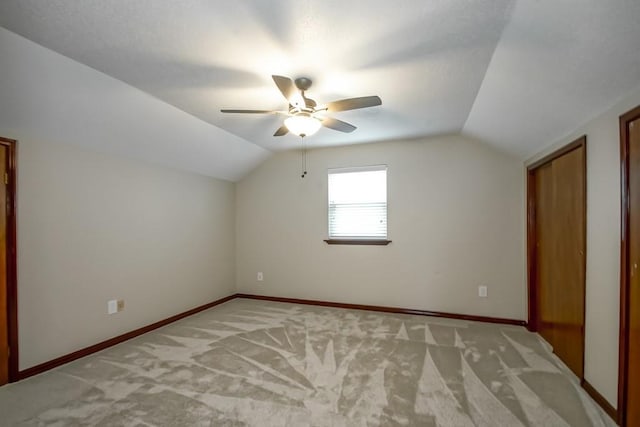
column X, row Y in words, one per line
column 623, row 353
column 532, row 280
column 12, row 265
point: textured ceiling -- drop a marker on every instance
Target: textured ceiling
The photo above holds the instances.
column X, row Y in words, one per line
column 558, row 64
column 517, row 74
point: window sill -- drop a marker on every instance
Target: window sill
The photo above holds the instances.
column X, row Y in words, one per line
column 381, row 242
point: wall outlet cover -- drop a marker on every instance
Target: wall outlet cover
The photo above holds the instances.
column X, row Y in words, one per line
column 482, row 291
column 260, row 276
column 112, row 306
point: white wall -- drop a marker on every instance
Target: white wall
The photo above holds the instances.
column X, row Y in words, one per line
column 603, row 244
column 92, row 226
column 456, row 218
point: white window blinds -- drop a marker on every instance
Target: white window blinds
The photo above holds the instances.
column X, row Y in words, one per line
column 358, row 203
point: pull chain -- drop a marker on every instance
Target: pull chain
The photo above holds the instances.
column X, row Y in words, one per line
column 304, row 159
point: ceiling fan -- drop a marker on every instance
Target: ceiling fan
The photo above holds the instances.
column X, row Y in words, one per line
column 304, row 117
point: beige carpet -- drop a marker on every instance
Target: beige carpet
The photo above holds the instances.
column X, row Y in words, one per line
column 254, row 363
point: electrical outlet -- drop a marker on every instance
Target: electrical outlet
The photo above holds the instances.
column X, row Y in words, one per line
column 120, row 304
column 482, row 291
column 260, row 276
column 112, row 306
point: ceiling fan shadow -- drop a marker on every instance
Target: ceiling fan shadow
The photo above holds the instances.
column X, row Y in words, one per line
column 445, row 31
column 172, row 74
column 275, row 19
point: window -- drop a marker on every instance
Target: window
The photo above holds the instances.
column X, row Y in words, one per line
column 358, row 205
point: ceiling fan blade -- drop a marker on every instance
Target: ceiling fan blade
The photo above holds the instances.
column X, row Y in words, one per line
column 353, row 103
column 282, row 130
column 286, row 86
column 249, row 111
column 338, row 125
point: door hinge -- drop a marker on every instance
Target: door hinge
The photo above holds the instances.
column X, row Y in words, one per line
column 6, row 178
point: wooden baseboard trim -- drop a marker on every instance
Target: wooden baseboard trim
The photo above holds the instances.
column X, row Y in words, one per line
column 386, row 309
column 600, row 400
column 38, row 369
column 62, row 360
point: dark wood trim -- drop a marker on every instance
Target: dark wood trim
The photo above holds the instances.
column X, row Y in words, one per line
column 623, row 352
column 582, row 141
column 382, row 242
column 12, row 260
column 623, row 343
column 386, row 309
column 38, row 369
column 532, row 320
column 599, row 399
column 532, row 323
column 115, row 340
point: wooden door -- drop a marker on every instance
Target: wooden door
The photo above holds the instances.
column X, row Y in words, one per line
column 630, row 271
column 4, row 318
column 8, row 264
column 545, row 252
column 557, row 228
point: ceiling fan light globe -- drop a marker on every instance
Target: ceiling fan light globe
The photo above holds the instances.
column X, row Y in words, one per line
column 302, row 125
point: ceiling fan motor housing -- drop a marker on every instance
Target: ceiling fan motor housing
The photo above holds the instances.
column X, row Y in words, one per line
column 303, row 83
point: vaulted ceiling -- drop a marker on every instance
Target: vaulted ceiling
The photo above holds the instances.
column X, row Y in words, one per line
column 516, row 74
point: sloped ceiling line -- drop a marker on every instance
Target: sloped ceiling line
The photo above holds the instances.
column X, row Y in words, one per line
column 516, row 74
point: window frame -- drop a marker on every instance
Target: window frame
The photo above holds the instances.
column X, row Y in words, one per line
column 355, row 240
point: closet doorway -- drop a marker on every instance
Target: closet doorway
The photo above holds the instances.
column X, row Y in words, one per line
column 556, row 246
column 629, row 364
